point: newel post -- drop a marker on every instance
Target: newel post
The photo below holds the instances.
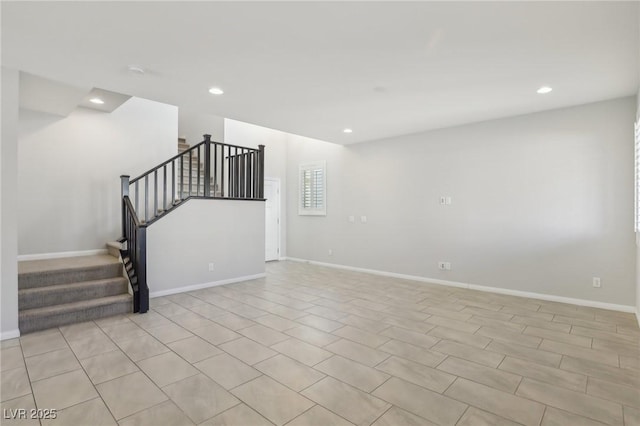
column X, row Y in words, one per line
column 261, row 172
column 124, row 192
column 207, row 165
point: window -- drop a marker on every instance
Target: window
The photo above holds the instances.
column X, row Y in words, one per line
column 637, row 168
column 313, row 189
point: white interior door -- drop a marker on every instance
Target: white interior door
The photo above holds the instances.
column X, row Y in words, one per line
column 272, row 219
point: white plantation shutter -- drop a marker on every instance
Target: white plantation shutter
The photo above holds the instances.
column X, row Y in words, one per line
column 313, row 191
column 637, row 182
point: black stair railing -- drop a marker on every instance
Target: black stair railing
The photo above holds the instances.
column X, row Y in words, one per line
column 209, row 170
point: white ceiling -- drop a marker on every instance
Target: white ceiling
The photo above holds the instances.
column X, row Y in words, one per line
column 381, row 68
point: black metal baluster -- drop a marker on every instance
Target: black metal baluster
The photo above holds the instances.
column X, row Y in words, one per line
column 198, row 184
column 181, row 177
column 164, row 185
column 137, row 204
column 190, row 168
column 173, row 182
column 215, row 169
column 155, row 193
column 222, row 171
column 146, row 198
column 261, row 172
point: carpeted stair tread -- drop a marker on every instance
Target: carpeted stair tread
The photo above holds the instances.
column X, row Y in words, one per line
column 40, row 273
column 68, row 313
column 74, row 292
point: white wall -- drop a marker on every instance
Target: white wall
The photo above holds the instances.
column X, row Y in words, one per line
column 8, row 203
column 192, row 125
column 227, row 233
column 69, row 171
column 275, row 163
column 540, row 203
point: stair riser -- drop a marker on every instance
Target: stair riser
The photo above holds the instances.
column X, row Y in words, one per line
column 43, row 279
column 43, row 322
column 59, row 296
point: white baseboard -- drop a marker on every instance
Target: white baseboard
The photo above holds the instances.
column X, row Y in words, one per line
column 540, row 296
column 638, row 315
column 11, row 334
column 58, row 255
column 204, row 285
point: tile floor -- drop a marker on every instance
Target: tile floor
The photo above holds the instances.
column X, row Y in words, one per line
column 316, row 346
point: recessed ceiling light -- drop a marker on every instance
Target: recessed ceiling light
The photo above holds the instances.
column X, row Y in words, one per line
column 544, row 89
column 216, row 91
column 96, row 101
column 348, row 131
column 136, row 69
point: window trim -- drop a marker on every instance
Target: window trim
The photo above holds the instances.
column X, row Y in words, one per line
column 309, row 211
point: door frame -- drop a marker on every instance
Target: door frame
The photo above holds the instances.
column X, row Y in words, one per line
column 278, row 183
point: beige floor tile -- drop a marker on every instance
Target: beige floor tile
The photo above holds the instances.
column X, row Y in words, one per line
column 129, row 394
column 191, row 321
column 627, row 349
column 558, row 336
column 10, row 343
column 470, row 353
column 51, row 364
column 630, row 362
column 301, row 351
column 411, row 337
column 289, row 372
column 114, row 319
column 246, row 311
column 240, row 415
column 276, row 322
column 15, row 412
column 123, row 331
column 64, row 390
column 142, row 348
column 320, row 323
column 357, row 352
column 348, row 402
column 596, row 325
column 547, row 324
column 418, row 374
column 631, row 416
column 11, row 358
column 92, row 412
column 108, row 366
column 208, row 311
column 80, row 330
column 605, row 335
column 574, row 402
column 165, row 413
column 503, row 404
column 170, row 309
column 286, row 312
column 603, row 357
column 200, row 397
column 601, row 371
column 505, row 335
column 263, row 335
column 443, row 312
column 216, row 334
column 353, row 373
column 460, row 337
column 149, row 320
column 14, row 383
column 616, row 392
column 41, row 342
column 312, row 335
column 364, row 324
column 551, row 375
column 407, row 324
column 421, row 402
column 274, row 401
column 452, row 323
column 167, row 368
column 491, row 377
column 555, row 417
column 247, row 350
column 498, row 324
column 92, row 345
column 360, row 336
column 227, row 371
column 476, row 417
column 549, row 359
column 414, row 353
column 396, row 417
column 169, row 333
column 194, row 349
column 318, row 416
column 329, row 313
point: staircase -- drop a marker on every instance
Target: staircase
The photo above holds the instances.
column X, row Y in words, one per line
column 57, row 292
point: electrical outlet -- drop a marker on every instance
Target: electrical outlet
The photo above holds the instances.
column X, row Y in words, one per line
column 363, row 219
column 442, row 266
column 330, row 252
column 443, row 200
column 210, row 266
column 596, row 282
column 447, row 266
